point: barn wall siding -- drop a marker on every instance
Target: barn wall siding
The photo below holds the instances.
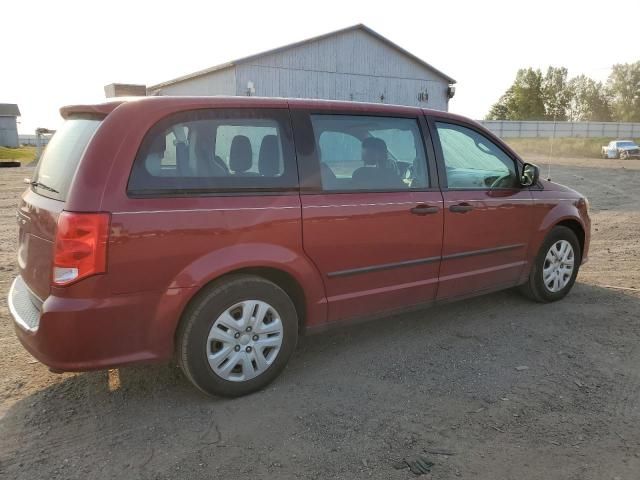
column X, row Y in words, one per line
column 222, row 82
column 277, row 82
column 351, row 65
column 354, row 52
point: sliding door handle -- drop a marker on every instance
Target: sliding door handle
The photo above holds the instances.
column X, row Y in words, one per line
column 461, row 208
column 424, row 210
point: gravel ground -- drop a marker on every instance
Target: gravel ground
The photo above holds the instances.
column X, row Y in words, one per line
column 356, row 401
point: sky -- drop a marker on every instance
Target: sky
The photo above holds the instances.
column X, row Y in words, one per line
column 61, row 52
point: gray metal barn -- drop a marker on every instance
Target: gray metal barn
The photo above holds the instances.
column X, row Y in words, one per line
column 355, row 63
column 9, row 113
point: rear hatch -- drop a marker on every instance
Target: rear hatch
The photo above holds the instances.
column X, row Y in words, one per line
column 45, row 198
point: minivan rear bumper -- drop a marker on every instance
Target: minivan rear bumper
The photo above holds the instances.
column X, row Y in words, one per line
column 22, row 306
column 78, row 334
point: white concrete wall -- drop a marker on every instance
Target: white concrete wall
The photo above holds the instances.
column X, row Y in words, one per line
column 27, row 139
column 515, row 129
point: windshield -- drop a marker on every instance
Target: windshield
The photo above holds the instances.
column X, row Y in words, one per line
column 60, row 159
column 626, row 144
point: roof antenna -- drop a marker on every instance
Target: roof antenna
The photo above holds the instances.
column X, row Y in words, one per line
column 553, row 137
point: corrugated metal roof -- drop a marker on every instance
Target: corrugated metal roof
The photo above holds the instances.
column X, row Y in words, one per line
column 9, row 110
column 359, row 26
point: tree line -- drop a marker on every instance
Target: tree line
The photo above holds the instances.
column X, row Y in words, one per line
column 554, row 96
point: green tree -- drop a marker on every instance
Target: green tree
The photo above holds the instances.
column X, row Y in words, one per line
column 556, row 94
column 500, row 109
column 589, row 100
column 624, row 87
column 523, row 100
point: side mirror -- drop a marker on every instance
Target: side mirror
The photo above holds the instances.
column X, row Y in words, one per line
column 530, row 175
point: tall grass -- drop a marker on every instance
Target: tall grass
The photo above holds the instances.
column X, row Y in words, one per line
column 24, row 154
column 562, row 147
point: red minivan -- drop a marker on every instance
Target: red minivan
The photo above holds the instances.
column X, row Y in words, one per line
column 217, row 229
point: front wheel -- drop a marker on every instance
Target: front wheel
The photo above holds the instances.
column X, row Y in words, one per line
column 237, row 336
column 624, row 155
column 555, row 268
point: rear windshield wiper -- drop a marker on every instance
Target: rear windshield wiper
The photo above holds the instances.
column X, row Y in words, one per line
column 43, row 186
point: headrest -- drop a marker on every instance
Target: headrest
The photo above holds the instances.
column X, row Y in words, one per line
column 240, row 155
column 153, row 164
column 269, row 157
column 158, row 145
column 374, row 151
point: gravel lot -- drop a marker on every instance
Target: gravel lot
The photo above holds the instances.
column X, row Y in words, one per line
column 354, row 402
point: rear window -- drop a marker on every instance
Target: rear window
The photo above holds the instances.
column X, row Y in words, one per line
column 216, row 151
column 60, row 159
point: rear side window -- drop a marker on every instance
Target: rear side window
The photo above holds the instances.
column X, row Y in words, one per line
column 210, row 151
column 61, row 157
column 369, row 153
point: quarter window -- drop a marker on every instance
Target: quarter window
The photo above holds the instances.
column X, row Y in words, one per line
column 369, row 153
column 472, row 161
column 60, row 159
column 216, row 151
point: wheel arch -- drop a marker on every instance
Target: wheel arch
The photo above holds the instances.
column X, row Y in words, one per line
column 561, row 215
column 279, row 277
column 576, row 227
column 288, row 269
column 282, row 279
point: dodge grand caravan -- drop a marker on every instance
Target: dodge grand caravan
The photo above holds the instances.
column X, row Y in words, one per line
column 214, row 230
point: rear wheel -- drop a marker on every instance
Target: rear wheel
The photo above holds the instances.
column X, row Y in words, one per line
column 237, row 336
column 555, row 268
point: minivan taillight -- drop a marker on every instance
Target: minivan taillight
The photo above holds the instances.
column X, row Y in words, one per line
column 80, row 247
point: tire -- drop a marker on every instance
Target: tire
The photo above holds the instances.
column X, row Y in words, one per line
column 9, row 164
column 624, row 155
column 535, row 287
column 256, row 365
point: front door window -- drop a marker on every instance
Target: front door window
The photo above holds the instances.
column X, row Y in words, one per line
column 472, row 161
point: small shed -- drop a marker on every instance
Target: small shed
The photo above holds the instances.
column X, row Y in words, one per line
column 124, row 90
column 9, row 113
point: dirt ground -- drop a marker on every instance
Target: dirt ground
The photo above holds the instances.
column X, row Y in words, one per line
column 355, row 401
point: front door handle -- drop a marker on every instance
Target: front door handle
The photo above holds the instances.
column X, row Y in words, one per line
column 461, row 208
column 424, row 210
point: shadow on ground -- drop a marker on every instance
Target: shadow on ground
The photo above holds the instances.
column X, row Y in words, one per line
column 355, row 400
